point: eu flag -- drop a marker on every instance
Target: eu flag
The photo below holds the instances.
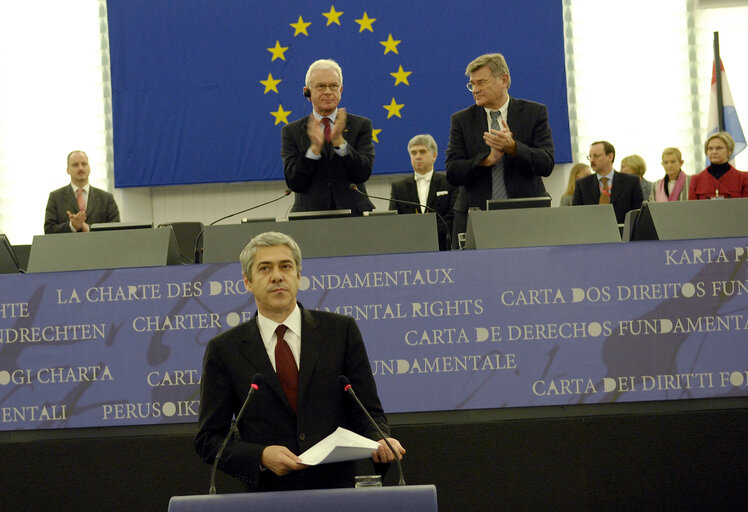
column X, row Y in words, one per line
column 202, row 88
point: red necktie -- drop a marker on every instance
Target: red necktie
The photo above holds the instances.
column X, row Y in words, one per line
column 326, row 122
column 285, row 367
column 81, row 202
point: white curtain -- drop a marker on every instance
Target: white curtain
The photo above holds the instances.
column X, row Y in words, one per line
column 54, row 71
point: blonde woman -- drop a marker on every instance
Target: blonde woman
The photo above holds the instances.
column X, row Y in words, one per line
column 634, row 164
column 577, row 172
column 720, row 179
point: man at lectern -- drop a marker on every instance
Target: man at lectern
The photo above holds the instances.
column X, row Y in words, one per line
column 301, row 354
column 328, row 150
column 77, row 205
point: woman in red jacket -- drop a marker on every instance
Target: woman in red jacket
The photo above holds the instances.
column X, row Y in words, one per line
column 719, row 180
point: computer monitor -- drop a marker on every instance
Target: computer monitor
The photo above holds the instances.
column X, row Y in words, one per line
column 519, row 202
column 111, row 226
column 8, row 260
column 379, row 213
column 247, row 220
column 319, row 214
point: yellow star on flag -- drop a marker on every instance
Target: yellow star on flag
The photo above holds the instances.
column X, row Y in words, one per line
column 278, row 51
column 393, row 109
column 374, row 133
column 271, row 84
column 366, row 23
column 280, row 115
column 401, row 77
column 300, row 27
column 390, row 45
column 333, row 16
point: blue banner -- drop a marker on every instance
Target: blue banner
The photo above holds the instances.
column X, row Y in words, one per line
column 444, row 331
column 201, row 89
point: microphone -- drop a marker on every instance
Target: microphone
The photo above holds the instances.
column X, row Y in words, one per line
column 200, row 234
column 285, row 193
column 346, row 384
column 354, row 188
column 256, row 383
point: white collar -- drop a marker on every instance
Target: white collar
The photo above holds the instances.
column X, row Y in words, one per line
column 332, row 117
column 86, row 187
column 503, row 109
column 267, row 327
column 423, row 177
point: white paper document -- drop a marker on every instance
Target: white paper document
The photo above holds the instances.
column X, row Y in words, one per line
column 339, row 446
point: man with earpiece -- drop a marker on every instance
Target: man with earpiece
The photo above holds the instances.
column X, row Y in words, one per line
column 328, row 150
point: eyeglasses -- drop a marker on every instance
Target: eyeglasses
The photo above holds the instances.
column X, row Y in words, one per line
column 594, row 157
column 480, row 83
column 322, row 87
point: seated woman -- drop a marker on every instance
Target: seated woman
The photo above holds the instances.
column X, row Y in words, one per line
column 720, row 179
column 674, row 186
column 577, row 172
column 634, row 164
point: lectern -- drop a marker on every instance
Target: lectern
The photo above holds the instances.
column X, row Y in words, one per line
column 407, row 498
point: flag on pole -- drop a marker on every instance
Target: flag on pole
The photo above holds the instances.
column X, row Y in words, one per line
column 732, row 123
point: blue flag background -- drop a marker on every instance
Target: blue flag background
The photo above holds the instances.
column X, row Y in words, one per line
column 201, row 88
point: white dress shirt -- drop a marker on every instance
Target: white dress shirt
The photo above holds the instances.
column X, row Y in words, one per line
column 423, row 182
column 267, row 329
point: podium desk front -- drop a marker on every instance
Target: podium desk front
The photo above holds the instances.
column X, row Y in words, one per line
column 104, row 250
column 407, row 498
column 536, row 227
column 322, row 238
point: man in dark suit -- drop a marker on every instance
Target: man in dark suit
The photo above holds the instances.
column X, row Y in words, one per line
column 499, row 148
column 301, row 353
column 327, row 151
column 76, row 206
column 426, row 187
column 606, row 185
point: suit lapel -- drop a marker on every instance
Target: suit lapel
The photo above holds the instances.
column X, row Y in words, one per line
column 253, row 350
column 513, row 112
column 431, row 197
column 411, row 191
column 592, row 183
column 69, row 200
column 617, row 186
column 310, row 347
column 93, row 202
column 480, row 122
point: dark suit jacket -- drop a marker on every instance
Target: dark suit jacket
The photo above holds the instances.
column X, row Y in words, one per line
column 324, row 184
column 625, row 194
column 528, row 122
column 101, row 207
column 443, row 203
column 331, row 346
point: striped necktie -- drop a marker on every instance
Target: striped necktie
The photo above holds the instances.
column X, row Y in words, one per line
column 498, row 187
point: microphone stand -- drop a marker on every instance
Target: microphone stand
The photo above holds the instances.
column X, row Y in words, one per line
column 349, row 389
column 256, row 382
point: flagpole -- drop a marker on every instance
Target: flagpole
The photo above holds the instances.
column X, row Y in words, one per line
column 718, row 75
